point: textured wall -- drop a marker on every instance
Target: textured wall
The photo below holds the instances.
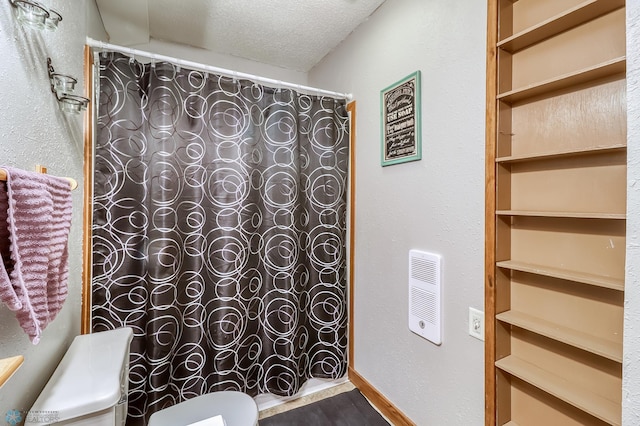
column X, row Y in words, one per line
column 436, row 204
column 631, row 366
column 34, row 131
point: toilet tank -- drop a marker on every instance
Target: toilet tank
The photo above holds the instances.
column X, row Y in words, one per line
column 89, row 386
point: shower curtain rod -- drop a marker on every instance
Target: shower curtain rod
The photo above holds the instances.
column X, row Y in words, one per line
column 97, row 44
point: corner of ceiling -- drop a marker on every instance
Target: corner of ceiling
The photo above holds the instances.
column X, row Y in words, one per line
column 126, row 21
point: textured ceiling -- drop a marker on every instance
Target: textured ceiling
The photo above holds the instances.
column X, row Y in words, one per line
column 293, row 34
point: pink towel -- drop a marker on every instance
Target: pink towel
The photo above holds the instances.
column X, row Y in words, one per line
column 8, row 293
column 39, row 219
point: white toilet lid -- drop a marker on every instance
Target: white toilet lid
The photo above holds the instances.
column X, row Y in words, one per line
column 89, row 379
column 237, row 409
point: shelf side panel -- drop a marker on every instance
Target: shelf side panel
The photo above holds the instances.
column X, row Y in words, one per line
column 503, row 396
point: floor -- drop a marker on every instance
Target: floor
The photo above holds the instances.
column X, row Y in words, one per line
column 308, row 399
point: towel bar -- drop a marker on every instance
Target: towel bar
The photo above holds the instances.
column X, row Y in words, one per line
column 72, row 181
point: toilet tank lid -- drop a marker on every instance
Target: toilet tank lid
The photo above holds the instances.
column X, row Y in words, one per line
column 88, row 379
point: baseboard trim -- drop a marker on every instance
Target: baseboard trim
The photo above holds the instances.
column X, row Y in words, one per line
column 383, row 405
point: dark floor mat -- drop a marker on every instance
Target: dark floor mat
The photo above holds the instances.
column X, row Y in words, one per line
column 345, row 409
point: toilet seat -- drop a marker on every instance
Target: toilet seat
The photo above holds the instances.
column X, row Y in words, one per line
column 236, row 408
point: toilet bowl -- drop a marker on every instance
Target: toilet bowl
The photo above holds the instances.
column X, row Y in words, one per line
column 236, row 408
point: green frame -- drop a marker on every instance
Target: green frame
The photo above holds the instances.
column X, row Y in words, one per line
column 400, row 122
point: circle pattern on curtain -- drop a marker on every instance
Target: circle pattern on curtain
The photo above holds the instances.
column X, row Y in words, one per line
column 219, row 217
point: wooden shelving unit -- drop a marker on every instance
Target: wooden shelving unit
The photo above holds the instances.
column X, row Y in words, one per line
column 576, row 215
column 559, row 387
column 586, row 75
column 563, row 274
column 579, row 14
column 598, row 150
column 556, row 212
column 579, row 339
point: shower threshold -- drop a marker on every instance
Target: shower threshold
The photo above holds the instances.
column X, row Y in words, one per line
column 312, row 386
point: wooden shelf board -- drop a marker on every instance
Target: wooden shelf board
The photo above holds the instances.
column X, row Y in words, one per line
column 575, row 338
column 553, row 155
column 605, row 69
column 8, row 366
column 584, row 12
column 574, row 215
column 511, row 423
column 564, row 274
column 596, row 405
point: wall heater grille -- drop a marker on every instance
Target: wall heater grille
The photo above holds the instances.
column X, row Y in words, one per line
column 425, row 289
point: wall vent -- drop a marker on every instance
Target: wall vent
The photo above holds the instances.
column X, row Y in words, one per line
column 425, row 288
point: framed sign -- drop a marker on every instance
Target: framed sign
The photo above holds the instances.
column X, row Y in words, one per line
column 400, row 118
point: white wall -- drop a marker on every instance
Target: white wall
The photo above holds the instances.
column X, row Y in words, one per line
column 95, row 27
column 228, row 62
column 34, row 131
column 436, row 204
column 631, row 363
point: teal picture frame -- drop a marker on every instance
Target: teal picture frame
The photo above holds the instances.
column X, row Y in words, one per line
column 400, row 118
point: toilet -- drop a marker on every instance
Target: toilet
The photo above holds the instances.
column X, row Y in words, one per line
column 228, row 408
column 90, row 385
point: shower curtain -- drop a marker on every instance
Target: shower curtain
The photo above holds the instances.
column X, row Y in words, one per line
column 219, row 216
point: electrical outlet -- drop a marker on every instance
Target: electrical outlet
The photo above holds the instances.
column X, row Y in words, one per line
column 476, row 323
